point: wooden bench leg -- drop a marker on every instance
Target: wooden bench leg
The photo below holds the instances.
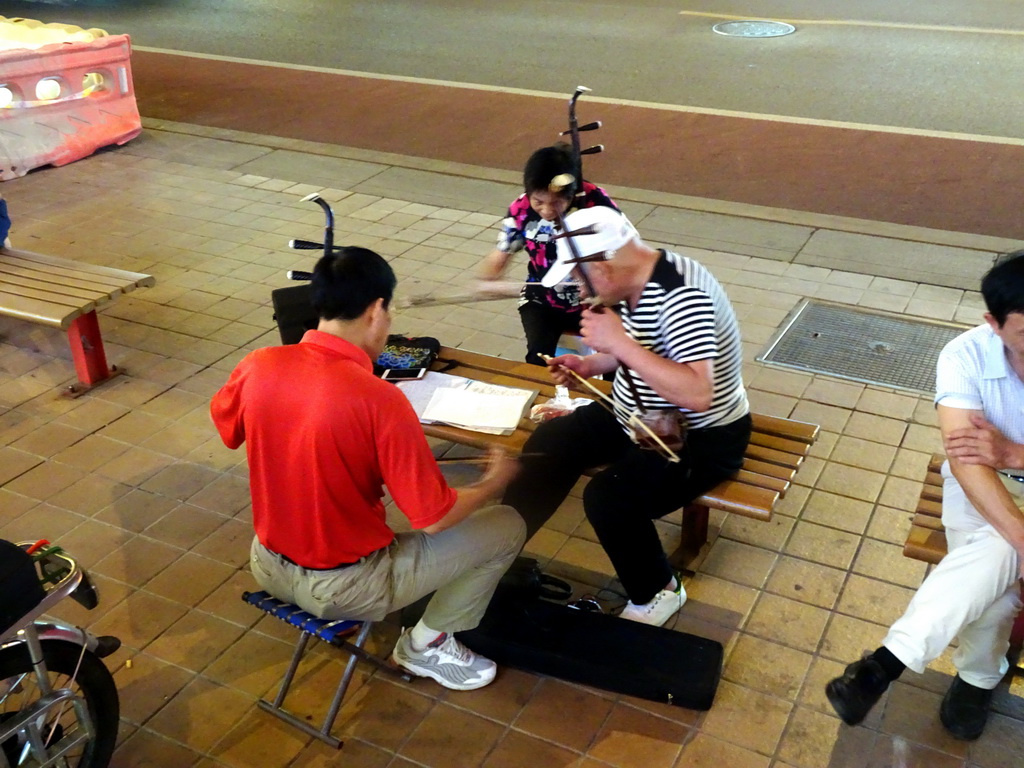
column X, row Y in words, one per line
column 87, row 352
column 1017, row 633
column 694, row 535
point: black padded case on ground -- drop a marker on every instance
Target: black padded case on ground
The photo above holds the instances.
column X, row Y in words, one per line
column 599, row 650
column 293, row 312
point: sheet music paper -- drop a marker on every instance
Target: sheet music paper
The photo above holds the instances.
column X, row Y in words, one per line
column 420, row 391
column 476, row 410
column 459, row 403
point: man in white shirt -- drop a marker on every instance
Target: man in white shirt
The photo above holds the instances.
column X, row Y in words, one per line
column 973, row 594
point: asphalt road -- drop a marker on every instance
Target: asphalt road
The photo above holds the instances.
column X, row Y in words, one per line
column 954, row 79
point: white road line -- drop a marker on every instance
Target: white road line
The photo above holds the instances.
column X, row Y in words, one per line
column 1007, row 140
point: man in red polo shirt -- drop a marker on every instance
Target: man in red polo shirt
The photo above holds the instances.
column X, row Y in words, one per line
column 324, row 436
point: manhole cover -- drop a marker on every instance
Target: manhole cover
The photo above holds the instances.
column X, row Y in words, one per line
column 870, row 347
column 754, row 28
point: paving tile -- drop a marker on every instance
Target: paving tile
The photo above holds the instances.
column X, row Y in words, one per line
column 152, row 751
column 577, row 733
column 190, row 578
column 796, row 624
column 847, row 638
column 139, row 619
column 913, row 714
column 865, row 454
column 767, row 666
column 49, row 439
column 45, row 521
column 703, row 751
column 816, row 740
column 851, row 481
column 45, row 480
column 519, row 749
column 254, row 663
column 879, row 429
column 767, row 535
column 807, row 582
column 632, row 739
column 452, row 737
column 355, row 754
column 138, row 560
column 890, row 525
column 896, row 750
column 183, row 526
column 502, row 700
column 873, row 600
column 838, row 511
column 740, row 563
column 821, row 544
column 147, row 685
column 886, row 562
column 747, row 718
column 260, row 739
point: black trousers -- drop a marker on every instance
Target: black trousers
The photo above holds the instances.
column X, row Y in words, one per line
column 542, row 325
column 624, row 499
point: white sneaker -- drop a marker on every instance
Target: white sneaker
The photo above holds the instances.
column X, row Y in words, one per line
column 445, row 660
column 662, row 608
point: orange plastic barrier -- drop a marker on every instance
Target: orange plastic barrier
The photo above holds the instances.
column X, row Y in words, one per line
column 63, row 101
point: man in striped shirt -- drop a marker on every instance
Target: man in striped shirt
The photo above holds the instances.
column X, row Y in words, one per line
column 973, row 594
column 665, row 325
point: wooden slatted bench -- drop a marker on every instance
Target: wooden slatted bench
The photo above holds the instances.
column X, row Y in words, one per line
column 777, row 448
column 65, row 294
column 927, row 538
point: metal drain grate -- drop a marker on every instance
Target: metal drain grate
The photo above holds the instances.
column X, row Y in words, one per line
column 754, row 28
column 856, row 344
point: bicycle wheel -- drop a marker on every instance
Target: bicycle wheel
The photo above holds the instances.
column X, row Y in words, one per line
column 19, row 688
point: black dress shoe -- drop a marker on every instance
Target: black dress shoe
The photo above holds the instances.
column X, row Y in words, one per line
column 964, row 709
column 858, row 690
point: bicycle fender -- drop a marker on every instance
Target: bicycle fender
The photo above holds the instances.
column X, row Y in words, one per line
column 102, row 645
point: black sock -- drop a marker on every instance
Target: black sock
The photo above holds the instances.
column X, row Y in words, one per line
column 892, row 666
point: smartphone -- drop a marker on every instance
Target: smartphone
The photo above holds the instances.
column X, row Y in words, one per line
column 403, row 374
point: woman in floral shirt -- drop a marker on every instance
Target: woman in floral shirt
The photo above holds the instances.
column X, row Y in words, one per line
column 546, row 313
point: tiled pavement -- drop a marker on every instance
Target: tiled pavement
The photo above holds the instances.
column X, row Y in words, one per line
column 132, row 479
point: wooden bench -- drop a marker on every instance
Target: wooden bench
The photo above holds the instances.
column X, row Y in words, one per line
column 65, row 294
column 927, row 538
column 777, row 448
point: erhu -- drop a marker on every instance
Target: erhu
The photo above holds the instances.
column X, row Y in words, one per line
column 646, row 436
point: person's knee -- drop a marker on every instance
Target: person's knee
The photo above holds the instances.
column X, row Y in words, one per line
column 504, row 527
column 602, row 498
column 513, row 527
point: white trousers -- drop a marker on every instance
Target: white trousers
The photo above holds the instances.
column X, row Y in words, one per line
column 973, row 594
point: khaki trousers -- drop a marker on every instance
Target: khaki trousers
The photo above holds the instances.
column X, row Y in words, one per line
column 462, row 564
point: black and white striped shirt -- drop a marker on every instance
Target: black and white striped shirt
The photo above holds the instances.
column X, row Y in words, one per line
column 684, row 315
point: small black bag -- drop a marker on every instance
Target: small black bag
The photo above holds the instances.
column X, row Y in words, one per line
column 403, row 352
column 524, row 580
column 20, row 590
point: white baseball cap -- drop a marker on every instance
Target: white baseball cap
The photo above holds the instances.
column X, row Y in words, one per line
column 612, row 231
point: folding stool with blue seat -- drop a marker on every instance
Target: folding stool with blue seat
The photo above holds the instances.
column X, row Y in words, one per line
column 335, row 632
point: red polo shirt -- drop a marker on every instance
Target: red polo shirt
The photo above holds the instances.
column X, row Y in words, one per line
column 324, row 436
